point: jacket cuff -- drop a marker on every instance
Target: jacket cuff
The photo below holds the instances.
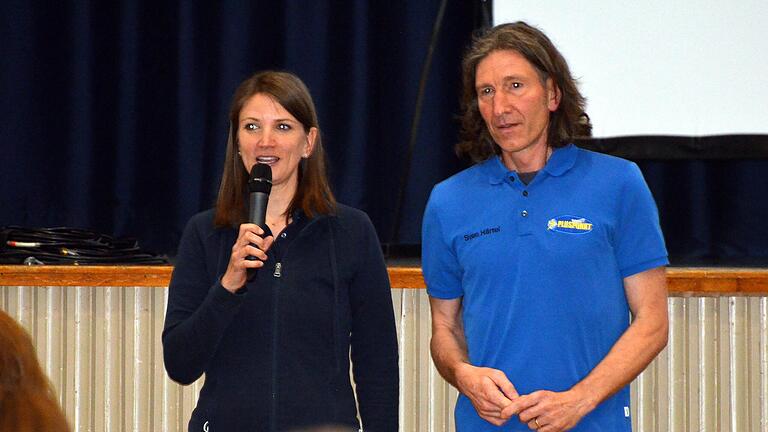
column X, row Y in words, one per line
column 222, row 299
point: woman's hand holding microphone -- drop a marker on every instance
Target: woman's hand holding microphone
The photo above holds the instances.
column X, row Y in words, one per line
column 250, row 242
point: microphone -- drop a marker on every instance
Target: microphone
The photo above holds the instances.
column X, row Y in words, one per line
column 259, row 187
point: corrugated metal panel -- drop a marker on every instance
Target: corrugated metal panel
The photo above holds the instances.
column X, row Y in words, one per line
column 101, row 348
column 712, row 375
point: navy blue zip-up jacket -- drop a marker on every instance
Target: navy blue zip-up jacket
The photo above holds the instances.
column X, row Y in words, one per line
column 276, row 354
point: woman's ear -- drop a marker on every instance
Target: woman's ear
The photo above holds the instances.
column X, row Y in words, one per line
column 311, row 139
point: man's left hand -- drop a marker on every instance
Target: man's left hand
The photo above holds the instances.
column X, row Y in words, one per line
column 548, row 411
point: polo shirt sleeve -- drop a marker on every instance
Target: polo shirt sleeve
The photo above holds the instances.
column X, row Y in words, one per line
column 638, row 242
column 442, row 272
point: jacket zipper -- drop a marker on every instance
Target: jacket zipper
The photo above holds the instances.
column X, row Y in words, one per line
column 278, row 270
column 277, row 274
column 275, row 314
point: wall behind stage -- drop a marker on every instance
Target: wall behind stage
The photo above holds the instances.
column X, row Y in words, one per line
column 114, row 116
column 688, row 67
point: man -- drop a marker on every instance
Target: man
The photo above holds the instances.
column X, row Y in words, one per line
column 535, row 257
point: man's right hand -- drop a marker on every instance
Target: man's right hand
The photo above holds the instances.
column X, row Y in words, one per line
column 489, row 390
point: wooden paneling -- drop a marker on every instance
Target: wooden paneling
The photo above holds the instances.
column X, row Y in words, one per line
column 681, row 281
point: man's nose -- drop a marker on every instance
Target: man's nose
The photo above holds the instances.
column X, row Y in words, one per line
column 501, row 103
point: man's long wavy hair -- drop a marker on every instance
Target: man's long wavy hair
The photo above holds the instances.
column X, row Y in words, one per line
column 27, row 399
column 569, row 121
column 313, row 193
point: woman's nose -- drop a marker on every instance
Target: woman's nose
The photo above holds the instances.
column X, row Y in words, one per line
column 267, row 138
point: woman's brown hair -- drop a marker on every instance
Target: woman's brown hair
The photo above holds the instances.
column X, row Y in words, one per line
column 27, row 400
column 569, row 121
column 313, row 194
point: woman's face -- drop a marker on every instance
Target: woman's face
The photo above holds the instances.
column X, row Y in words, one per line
column 268, row 134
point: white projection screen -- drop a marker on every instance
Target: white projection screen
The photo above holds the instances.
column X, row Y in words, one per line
column 690, row 68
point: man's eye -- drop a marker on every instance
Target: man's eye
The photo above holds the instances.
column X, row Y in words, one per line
column 517, row 85
column 486, row 91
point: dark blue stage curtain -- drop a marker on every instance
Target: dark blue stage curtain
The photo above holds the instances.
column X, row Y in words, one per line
column 711, row 191
column 713, row 212
column 114, row 114
column 113, row 117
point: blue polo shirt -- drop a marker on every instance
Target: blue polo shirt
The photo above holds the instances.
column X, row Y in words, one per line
column 540, row 268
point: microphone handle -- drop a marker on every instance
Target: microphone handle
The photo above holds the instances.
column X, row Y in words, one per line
column 257, row 214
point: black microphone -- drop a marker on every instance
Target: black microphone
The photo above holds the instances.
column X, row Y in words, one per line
column 259, row 186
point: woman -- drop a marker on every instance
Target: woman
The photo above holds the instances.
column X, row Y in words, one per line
column 275, row 348
column 27, row 400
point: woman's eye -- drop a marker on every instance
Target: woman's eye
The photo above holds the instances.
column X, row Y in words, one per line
column 251, row 126
column 284, row 126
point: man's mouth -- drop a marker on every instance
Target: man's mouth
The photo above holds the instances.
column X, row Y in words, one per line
column 506, row 126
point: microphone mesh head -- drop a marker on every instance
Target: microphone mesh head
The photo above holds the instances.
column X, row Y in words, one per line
column 260, row 179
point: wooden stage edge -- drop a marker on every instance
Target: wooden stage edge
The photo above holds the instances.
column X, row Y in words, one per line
column 683, row 281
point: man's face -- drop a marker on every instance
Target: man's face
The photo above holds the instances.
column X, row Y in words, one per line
column 513, row 101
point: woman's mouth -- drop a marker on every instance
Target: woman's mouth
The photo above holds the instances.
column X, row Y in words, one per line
column 267, row 160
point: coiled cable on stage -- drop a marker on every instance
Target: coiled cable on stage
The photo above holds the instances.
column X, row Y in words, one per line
column 63, row 245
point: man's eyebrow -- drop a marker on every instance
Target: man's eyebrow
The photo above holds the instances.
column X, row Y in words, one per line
column 509, row 78
column 482, row 85
column 504, row 80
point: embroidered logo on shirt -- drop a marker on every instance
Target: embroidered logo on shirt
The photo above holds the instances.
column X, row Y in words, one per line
column 487, row 231
column 569, row 224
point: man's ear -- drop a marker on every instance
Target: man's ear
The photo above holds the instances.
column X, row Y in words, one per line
column 553, row 95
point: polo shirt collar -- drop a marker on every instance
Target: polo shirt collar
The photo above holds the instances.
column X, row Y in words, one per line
column 559, row 163
column 496, row 170
column 562, row 160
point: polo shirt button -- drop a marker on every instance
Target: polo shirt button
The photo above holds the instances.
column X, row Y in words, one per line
column 512, row 178
column 525, row 193
column 283, row 235
column 524, row 213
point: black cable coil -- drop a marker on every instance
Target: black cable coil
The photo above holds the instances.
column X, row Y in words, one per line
column 62, row 245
